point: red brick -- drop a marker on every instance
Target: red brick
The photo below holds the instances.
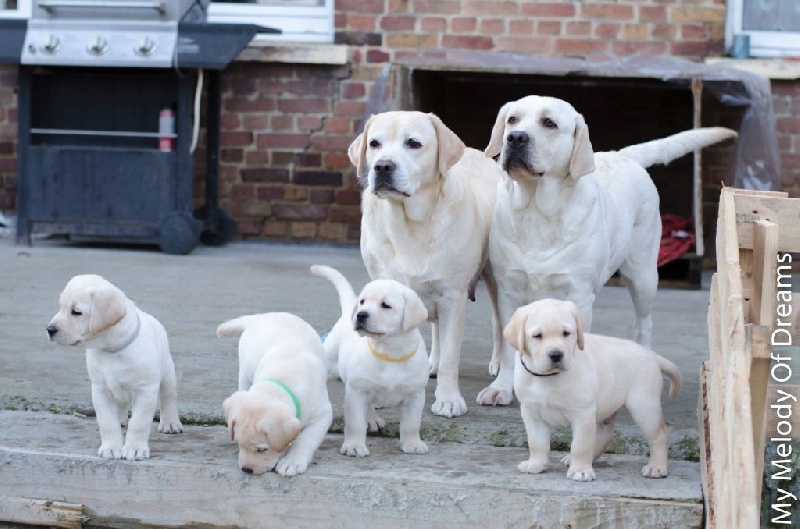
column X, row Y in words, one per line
column 347, row 197
column 308, row 159
column 471, row 42
column 493, row 26
column 360, row 6
column 347, row 215
column 378, row 56
column 790, row 125
column 606, row 30
column 318, row 178
column 613, row 11
column 349, row 108
column 358, row 38
column 265, row 174
column 282, row 141
column 243, row 192
column 321, row 196
column 269, row 193
column 652, row 14
column 231, row 155
column 283, row 157
column 255, row 122
column 577, row 47
column 645, row 48
column 490, row 8
column 578, row 28
column 281, row 122
column 248, row 226
column 336, row 161
column 463, row 24
column 520, row 27
column 398, row 23
column 361, row 22
column 437, row 7
column 256, row 158
column 303, row 105
column 6, row 147
column 433, row 24
column 239, row 104
column 353, row 90
column 664, row 31
column 337, row 125
column 532, row 45
column 548, row 9
column 353, row 232
column 229, row 138
column 690, row 48
column 300, row 212
column 340, row 21
column 694, row 31
column 229, row 121
column 309, row 123
column 548, row 27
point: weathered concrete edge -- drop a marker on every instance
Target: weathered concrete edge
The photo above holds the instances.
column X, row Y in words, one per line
column 159, row 493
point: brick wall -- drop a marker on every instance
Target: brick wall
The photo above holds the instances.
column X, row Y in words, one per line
column 285, row 129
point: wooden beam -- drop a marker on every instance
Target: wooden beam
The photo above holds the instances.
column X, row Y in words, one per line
column 42, row 512
column 706, row 454
column 697, row 170
column 758, row 353
column 784, row 212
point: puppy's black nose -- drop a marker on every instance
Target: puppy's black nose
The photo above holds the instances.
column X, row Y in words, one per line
column 247, row 470
column 556, row 356
column 51, row 330
column 517, row 139
column 384, row 168
column 362, row 316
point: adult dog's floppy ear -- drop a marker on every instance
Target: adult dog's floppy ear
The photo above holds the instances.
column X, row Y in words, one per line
column 414, row 312
column 496, row 141
column 514, row 333
column 357, row 151
column 108, row 308
column 451, row 148
column 582, row 161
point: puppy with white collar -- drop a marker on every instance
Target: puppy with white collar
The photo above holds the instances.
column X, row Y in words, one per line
column 129, row 364
column 382, row 359
column 565, row 377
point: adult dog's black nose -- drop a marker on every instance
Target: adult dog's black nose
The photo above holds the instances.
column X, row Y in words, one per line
column 52, row 330
column 247, row 470
column 384, row 168
column 517, row 139
column 362, row 316
column 556, row 356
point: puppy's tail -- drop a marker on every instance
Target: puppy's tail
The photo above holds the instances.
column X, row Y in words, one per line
column 664, row 150
column 347, row 297
column 672, row 373
column 235, row 326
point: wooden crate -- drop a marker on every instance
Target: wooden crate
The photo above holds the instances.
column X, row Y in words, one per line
column 752, row 228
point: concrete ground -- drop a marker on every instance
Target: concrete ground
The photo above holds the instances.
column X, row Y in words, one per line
column 192, row 294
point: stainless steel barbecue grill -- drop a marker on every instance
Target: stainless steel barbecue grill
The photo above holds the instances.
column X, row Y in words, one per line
column 95, row 78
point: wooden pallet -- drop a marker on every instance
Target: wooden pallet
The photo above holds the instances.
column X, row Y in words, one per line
column 752, row 228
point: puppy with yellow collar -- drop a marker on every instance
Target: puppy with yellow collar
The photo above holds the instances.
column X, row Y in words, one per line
column 381, row 358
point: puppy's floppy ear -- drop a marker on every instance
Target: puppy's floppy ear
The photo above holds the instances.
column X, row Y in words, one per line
column 230, row 411
column 357, row 151
column 414, row 312
column 496, row 141
column 451, row 148
column 582, row 161
column 514, row 333
column 280, row 431
column 578, row 325
column 108, row 308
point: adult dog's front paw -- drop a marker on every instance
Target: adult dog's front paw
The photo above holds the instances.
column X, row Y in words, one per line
column 354, row 449
column 415, row 447
column 454, row 406
column 654, row 471
column 135, row 453
column 109, row 452
column 492, row 396
column 532, row 466
column 580, row 474
column 375, row 423
column 170, row 427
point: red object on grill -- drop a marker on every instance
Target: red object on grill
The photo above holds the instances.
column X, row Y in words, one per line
column 677, row 236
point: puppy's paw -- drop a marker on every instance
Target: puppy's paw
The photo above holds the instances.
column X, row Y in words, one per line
column 495, row 397
column 133, row 453
column 290, row 466
column 566, row 460
column 494, row 367
column 110, row 452
column 532, row 466
column 354, row 449
column 170, row 427
column 580, row 474
column 415, row 447
column 654, row 471
column 449, row 407
column 375, row 423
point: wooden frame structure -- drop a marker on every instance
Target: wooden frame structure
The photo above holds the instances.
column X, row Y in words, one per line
column 752, row 228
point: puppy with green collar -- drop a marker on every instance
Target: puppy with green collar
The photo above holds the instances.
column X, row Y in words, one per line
column 381, row 357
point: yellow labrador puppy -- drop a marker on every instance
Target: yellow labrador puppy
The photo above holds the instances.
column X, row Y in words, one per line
column 566, row 218
column 129, row 364
column 565, row 377
column 426, row 209
column 281, row 413
column 381, row 358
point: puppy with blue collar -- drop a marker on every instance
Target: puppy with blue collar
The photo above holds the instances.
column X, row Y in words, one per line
column 381, row 357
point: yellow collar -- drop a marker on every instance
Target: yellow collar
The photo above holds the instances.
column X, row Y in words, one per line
column 385, row 358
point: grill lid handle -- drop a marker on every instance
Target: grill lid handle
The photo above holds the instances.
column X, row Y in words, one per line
column 49, row 5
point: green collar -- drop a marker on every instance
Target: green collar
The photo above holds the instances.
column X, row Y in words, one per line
column 289, row 391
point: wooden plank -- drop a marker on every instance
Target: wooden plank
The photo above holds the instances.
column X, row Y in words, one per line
column 784, row 212
column 757, row 337
column 42, row 512
column 719, row 493
column 697, row 170
column 706, row 454
column 765, row 269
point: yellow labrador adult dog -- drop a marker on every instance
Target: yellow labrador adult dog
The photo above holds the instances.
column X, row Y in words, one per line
column 281, row 413
column 426, row 210
column 566, row 218
column 565, row 377
column 381, row 358
column 129, row 363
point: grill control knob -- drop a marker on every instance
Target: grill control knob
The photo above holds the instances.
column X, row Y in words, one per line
column 146, row 47
column 98, row 47
column 52, row 44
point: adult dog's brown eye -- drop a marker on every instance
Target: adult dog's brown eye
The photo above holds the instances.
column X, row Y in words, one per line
column 566, row 334
column 411, row 143
column 375, row 144
column 76, row 312
column 549, row 123
column 537, row 336
column 385, row 306
column 361, row 302
column 512, row 120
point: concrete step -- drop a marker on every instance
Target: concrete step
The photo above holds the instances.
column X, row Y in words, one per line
column 193, row 479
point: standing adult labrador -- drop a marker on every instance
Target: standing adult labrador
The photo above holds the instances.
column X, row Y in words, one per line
column 425, row 222
column 567, row 218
